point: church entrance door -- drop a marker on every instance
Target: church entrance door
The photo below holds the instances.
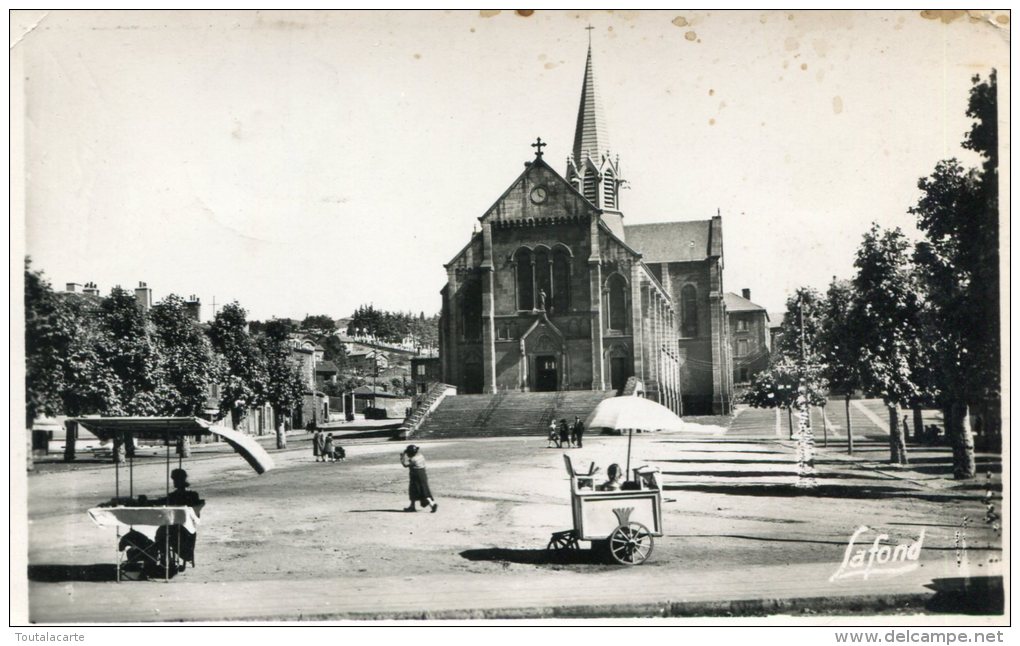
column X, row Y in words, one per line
column 618, row 372
column 545, row 374
column 473, row 379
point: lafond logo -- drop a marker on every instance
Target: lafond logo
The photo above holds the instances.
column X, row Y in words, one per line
column 868, row 558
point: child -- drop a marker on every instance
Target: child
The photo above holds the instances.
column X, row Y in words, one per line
column 327, row 449
column 615, row 481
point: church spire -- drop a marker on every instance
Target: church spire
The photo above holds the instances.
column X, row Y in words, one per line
column 591, row 137
column 591, row 168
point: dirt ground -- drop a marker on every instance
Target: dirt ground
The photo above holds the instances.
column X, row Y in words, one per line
column 729, row 502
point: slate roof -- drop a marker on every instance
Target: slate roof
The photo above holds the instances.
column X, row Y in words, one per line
column 737, row 303
column 671, row 241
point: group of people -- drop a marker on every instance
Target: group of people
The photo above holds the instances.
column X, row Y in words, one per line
column 325, row 450
column 562, row 434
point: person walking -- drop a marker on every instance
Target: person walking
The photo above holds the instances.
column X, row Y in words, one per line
column 418, row 488
column 319, row 442
column 578, row 431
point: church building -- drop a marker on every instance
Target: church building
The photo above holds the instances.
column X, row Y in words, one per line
column 557, row 292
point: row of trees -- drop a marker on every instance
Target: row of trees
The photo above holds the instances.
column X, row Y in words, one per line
column 392, row 327
column 88, row 355
column 918, row 324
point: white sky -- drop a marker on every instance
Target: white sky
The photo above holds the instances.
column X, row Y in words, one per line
column 305, row 163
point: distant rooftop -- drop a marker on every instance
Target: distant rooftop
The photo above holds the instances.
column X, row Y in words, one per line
column 737, row 303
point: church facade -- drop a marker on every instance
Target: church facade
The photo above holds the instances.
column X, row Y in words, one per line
column 555, row 292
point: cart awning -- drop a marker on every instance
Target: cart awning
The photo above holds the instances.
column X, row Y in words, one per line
column 173, row 428
column 246, row 447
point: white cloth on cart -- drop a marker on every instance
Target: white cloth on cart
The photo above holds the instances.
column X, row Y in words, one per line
column 144, row 517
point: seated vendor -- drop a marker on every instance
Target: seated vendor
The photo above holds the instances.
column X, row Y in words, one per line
column 615, row 481
column 182, row 542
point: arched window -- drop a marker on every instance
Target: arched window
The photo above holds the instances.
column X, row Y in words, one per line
column 617, row 303
column 689, row 311
column 561, row 281
column 543, row 278
column 525, row 280
column 471, row 309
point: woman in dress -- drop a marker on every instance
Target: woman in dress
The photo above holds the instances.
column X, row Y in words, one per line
column 418, row 490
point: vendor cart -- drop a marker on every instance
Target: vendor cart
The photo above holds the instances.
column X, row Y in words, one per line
column 623, row 523
column 134, row 518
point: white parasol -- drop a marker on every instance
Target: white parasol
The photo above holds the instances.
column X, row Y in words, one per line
column 628, row 413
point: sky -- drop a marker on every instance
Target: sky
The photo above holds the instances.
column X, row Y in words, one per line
column 309, row 162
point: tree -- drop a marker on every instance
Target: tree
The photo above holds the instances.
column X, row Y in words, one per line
column 319, row 323
column 334, row 350
column 777, row 387
column 124, row 345
column 801, row 324
column 839, row 346
column 187, row 363
column 49, row 333
column 284, row 386
column 245, row 382
column 887, row 309
column 959, row 269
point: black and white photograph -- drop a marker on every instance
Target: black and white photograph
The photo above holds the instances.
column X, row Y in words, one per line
column 511, row 317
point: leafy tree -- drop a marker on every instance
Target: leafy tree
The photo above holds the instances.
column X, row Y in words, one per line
column 319, row 323
column 839, row 346
column 124, row 345
column 959, row 270
column 887, row 309
column 777, row 387
column 284, row 384
column 187, row 363
column 246, row 378
column 803, row 310
column 334, row 350
column 49, row 333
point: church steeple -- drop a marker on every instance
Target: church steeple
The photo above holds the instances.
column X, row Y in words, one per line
column 591, row 168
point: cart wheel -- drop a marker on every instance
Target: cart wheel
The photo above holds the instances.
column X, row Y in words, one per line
column 561, row 541
column 631, row 544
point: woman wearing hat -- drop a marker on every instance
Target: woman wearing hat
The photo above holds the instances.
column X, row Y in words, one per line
column 418, row 490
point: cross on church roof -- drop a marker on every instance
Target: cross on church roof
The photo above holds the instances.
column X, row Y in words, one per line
column 589, row 28
column 538, row 145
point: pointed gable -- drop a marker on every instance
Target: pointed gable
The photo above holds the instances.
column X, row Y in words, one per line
column 539, row 195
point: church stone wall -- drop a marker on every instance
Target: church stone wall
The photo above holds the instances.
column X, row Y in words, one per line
column 697, row 371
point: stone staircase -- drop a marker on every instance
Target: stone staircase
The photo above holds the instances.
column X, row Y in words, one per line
column 425, row 406
column 507, row 414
